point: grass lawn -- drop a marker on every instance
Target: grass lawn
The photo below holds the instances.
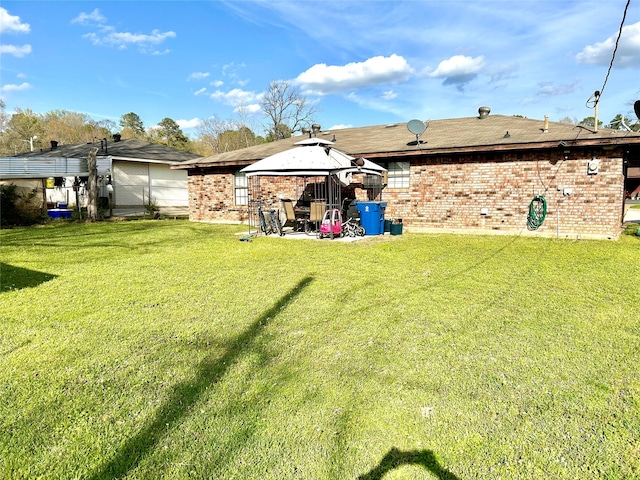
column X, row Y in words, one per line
column 168, row 349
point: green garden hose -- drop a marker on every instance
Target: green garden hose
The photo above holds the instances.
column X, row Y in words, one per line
column 537, row 212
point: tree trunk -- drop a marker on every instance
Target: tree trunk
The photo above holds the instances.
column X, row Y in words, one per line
column 92, row 207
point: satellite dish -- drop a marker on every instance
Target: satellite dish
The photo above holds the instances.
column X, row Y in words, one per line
column 417, row 127
column 636, row 108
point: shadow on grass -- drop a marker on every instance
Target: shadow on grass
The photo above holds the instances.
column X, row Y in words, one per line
column 97, row 234
column 396, row 458
column 487, row 258
column 184, row 395
column 17, row 278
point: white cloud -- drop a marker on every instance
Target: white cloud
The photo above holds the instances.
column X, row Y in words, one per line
column 389, row 95
column 217, row 83
column 198, row 75
column 107, row 35
column 200, row 92
column 324, row 79
column 458, row 65
column 193, row 123
column 251, row 109
column 499, row 73
column 627, row 55
column 15, row 50
column 15, row 88
column 458, row 70
column 93, row 18
column 549, row 89
column 12, row 23
column 234, row 97
column 118, row 39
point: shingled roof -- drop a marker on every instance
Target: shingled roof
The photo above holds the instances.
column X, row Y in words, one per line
column 468, row 134
column 128, row 149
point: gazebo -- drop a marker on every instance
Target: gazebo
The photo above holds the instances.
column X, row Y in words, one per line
column 321, row 173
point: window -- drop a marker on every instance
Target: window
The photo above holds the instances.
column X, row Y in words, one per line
column 241, row 191
column 398, row 175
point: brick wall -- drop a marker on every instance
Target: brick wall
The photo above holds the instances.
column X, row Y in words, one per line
column 211, row 198
column 467, row 194
column 491, row 194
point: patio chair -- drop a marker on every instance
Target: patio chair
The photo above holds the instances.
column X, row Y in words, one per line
column 292, row 221
column 318, row 207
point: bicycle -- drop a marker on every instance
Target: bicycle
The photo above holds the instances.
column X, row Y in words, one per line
column 269, row 221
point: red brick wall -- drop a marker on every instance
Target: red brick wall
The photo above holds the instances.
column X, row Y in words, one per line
column 211, row 195
column 446, row 195
column 449, row 193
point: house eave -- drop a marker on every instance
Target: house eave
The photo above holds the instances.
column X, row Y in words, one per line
column 514, row 147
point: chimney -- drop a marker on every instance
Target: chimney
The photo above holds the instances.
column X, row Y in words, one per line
column 54, row 144
column 484, row 112
column 546, row 124
column 116, row 137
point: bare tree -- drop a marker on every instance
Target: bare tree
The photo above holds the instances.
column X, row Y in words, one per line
column 218, row 136
column 246, row 127
column 209, row 131
column 284, row 104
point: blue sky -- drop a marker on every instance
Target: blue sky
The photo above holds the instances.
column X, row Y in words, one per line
column 360, row 62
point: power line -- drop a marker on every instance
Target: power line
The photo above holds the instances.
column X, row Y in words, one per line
column 615, row 49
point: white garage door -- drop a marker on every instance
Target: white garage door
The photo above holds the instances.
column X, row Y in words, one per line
column 135, row 182
column 131, row 184
column 168, row 187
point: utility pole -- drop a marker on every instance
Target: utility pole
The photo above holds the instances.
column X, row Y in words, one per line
column 92, row 207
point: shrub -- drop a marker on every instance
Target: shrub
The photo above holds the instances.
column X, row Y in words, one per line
column 17, row 207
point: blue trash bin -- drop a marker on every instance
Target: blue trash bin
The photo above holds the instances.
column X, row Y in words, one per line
column 372, row 216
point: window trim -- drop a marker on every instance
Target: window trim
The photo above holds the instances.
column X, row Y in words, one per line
column 398, row 178
column 240, row 189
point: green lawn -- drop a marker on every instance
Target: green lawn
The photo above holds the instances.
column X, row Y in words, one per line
column 169, row 349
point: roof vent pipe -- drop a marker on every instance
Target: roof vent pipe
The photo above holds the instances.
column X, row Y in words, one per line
column 546, row 124
column 54, row 144
column 484, row 112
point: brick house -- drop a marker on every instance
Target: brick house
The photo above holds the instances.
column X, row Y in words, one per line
column 464, row 175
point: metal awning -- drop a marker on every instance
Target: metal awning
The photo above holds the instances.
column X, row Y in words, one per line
column 42, row 167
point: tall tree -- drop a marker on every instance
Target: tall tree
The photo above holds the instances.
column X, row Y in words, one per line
column 68, row 127
column 622, row 123
column 209, row 131
column 590, row 122
column 10, row 141
column 284, row 104
column 568, row 120
column 280, row 131
column 27, row 126
column 236, row 139
column 132, row 126
column 171, row 132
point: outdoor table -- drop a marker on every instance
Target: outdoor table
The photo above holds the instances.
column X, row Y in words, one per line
column 302, row 212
